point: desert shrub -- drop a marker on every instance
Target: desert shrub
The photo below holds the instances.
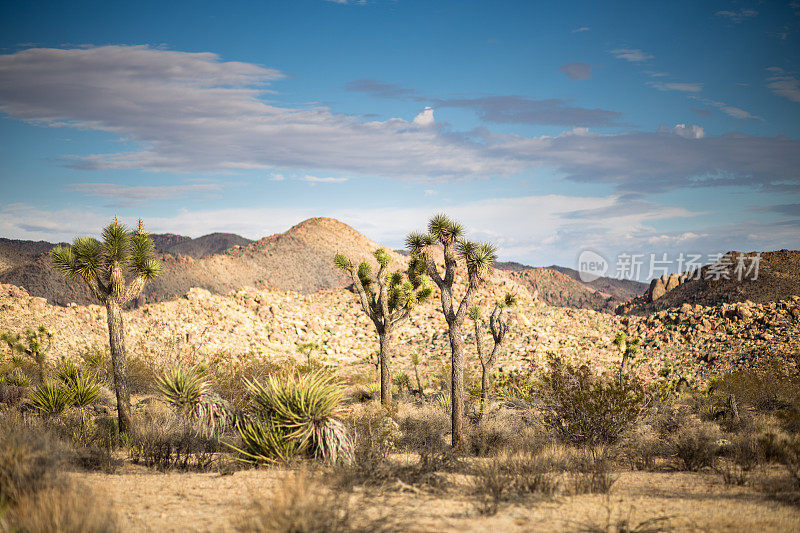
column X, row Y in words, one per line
column 696, row 445
column 188, row 392
column 165, row 441
column 505, row 477
column 583, row 408
column 51, row 397
column 30, row 458
column 12, row 395
column 791, row 460
column 295, row 416
column 67, row 509
column 593, row 475
column 300, row 505
column 503, row 431
column 641, row 446
column 423, row 432
column 517, row 385
column 141, row 375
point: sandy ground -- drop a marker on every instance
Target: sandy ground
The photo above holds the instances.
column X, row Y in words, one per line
column 147, row 501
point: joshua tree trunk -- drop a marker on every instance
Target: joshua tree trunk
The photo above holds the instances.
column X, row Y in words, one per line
column 386, row 384
column 116, row 336
column 457, row 386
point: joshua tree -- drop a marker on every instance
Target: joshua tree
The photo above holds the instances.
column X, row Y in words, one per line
column 498, row 328
column 478, row 258
column 387, row 299
column 103, row 266
column 628, row 347
column 308, row 348
column 37, row 343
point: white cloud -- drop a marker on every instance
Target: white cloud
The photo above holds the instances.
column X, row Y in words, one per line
column 581, row 29
column 783, row 84
column 431, row 192
column 689, row 132
column 425, row 118
column 736, row 17
column 634, row 55
column 276, row 177
column 680, row 87
column 194, row 112
column 577, row 71
column 316, row 179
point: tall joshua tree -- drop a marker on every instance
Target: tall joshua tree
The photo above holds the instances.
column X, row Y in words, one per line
column 103, row 266
column 498, row 327
column 478, row 258
column 629, row 347
column 387, row 299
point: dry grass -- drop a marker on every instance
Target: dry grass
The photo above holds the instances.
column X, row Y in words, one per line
column 65, row 509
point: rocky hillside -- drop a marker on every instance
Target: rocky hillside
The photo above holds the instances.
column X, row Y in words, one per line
column 602, row 294
column 271, row 324
column 555, row 288
column 300, row 259
column 778, row 278
column 213, row 243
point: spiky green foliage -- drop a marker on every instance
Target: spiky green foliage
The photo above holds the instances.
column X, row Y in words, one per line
column 445, row 230
column 85, row 389
column 34, row 342
column 342, row 262
column 509, row 300
column 16, row 378
column 474, row 312
column 299, row 410
column 478, row 257
column 92, row 261
column 182, row 388
column 51, row 397
column 416, row 241
column 383, row 257
column 365, row 274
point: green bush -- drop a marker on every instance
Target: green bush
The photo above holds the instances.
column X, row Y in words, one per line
column 295, row 416
column 583, row 408
column 52, row 397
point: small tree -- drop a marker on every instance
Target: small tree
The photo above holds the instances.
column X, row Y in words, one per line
column 103, row 266
column 629, row 347
column 478, row 258
column 308, row 348
column 498, row 327
column 36, row 345
column 387, row 299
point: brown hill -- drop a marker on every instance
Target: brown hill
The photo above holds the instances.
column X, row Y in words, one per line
column 11, row 258
column 557, row 289
column 301, row 260
column 778, row 279
column 619, row 289
column 213, row 243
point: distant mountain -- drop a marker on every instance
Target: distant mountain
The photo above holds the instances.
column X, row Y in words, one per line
column 214, row 243
column 555, row 288
column 617, row 289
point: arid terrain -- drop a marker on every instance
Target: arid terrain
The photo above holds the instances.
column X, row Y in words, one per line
column 689, row 460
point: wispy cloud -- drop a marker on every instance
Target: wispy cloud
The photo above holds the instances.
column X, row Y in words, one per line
column 680, row 87
column 783, row 84
column 729, row 110
column 136, row 194
column 581, row 29
column 577, row 71
column 736, row 17
column 634, row 55
column 317, row 179
column 520, row 110
column 379, row 89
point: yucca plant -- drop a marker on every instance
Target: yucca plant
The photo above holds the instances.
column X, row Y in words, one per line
column 103, row 266
column 445, row 402
column 51, row 397
column 498, row 328
column 16, row 378
column 477, row 257
column 301, row 409
column 182, row 388
column 85, row 389
column 629, row 347
column 34, row 343
column 387, row 299
column 264, row 441
column 415, row 364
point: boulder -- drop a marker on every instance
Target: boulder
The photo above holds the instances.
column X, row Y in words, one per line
column 656, row 290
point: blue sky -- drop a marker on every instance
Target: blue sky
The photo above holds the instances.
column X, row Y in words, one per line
column 546, row 127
